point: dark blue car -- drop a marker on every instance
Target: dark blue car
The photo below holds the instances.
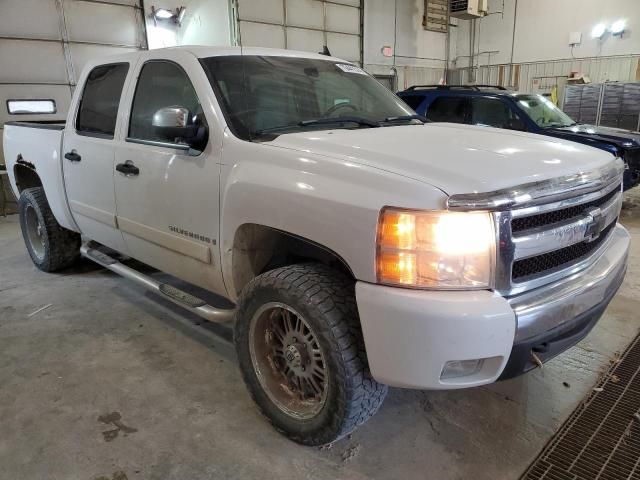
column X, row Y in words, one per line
column 502, row 108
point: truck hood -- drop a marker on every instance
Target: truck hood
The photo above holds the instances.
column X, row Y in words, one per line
column 454, row 158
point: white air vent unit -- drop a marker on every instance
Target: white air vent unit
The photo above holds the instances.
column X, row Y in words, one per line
column 468, row 9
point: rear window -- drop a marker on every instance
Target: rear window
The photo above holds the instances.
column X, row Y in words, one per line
column 448, row 109
column 413, row 101
column 100, row 99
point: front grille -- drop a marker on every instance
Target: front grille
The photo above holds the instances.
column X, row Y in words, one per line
column 601, row 439
column 528, row 267
column 548, row 218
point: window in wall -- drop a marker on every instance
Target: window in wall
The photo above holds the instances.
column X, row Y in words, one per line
column 161, row 84
column 449, row 109
column 33, row 107
column 98, row 109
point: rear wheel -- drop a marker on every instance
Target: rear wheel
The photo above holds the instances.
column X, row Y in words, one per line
column 302, row 355
column 50, row 246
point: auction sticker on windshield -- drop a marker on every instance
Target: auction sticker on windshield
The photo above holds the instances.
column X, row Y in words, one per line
column 350, row 68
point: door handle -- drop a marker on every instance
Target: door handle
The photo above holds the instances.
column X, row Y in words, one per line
column 128, row 168
column 72, row 156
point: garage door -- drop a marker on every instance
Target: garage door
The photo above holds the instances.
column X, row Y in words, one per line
column 45, row 43
column 305, row 25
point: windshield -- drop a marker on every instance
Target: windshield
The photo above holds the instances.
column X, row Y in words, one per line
column 544, row 112
column 263, row 96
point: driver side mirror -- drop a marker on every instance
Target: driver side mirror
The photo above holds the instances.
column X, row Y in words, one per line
column 178, row 125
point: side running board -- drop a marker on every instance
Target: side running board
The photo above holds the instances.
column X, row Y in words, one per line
column 171, row 293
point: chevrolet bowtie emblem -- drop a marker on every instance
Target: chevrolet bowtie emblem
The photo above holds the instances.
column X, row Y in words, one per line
column 595, row 225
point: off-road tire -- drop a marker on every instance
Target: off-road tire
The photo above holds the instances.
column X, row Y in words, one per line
column 61, row 247
column 326, row 300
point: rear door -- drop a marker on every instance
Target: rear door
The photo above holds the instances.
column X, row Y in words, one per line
column 168, row 197
column 88, row 154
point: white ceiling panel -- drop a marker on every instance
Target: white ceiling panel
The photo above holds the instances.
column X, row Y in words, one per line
column 305, row 13
column 270, row 11
column 261, row 35
column 343, row 19
column 101, row 23
column 32, row 61
column 58, row 93
column 29, row 19
column 305, row 40
column 81, row 54
column 344, row 46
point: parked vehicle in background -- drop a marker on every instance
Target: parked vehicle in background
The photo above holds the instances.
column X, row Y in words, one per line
column 501, row 108
column 356, row 246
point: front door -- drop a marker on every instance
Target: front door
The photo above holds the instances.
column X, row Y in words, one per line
column 88, row 155
column 167, row 195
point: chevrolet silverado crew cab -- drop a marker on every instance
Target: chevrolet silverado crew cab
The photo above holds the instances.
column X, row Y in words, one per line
column 357, row 246
column 502, row 108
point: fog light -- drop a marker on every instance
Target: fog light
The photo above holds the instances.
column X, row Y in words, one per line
column 461, row 368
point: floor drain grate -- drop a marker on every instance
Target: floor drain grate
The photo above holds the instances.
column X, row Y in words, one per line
column 601, row 438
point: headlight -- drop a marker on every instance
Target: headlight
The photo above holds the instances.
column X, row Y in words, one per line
column 435, row 249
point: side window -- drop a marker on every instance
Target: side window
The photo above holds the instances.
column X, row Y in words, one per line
column 448, row 109
column 161, row 84
column 98, row 109
column 413, row 101
column 493, row 112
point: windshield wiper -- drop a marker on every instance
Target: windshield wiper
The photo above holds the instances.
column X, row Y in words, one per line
column 330, row 120
column 403, row 118
column 319, row 121
column 560, row 125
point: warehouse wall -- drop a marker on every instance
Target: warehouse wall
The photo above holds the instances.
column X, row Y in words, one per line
column 541, row 41
column 419, row 53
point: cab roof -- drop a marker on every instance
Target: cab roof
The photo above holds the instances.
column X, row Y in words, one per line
column 201, row 51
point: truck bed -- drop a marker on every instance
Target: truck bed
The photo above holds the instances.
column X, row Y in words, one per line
column 36, row 145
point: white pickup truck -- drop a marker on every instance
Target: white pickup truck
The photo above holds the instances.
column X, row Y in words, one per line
column 359, row 246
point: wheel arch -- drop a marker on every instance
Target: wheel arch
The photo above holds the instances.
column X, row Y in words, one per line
column 26, row 177
column 259, row 248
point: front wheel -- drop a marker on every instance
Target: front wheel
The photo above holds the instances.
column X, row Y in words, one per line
column 302, row 355
column 50, row 246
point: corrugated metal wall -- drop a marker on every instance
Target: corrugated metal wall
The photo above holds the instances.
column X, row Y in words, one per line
column 305, row 25
column 409, row 75
column 541, row 77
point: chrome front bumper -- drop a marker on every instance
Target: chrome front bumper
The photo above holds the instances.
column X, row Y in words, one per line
column 550, row 306
column 555, row 317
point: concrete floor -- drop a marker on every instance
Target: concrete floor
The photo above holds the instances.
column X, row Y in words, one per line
column 109, row 382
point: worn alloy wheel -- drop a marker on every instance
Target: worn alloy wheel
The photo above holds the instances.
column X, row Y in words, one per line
column 288, row 360
column 50, row 246
column 35, row 232
column 302, row 355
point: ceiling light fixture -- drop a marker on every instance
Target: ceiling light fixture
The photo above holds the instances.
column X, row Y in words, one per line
column 164, row 14
column 598, row 31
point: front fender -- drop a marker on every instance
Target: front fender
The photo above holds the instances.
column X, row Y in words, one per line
column 332, row 202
